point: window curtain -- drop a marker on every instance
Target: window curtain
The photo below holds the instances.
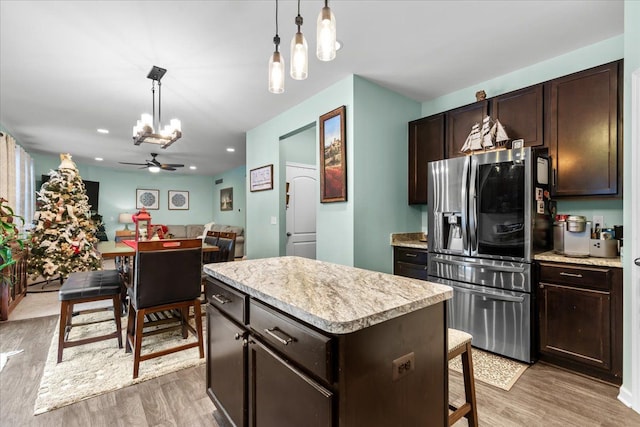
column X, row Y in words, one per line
column 17, row 178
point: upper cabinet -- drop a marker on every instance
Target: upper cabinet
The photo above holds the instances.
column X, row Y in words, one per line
column 426, row 143
column 459, row 123
column 520, row 112
column 583, row 114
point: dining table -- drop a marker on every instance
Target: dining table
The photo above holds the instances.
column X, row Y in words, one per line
column 110, row 250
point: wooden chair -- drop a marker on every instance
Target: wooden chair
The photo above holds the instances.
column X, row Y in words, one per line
column 211, row 239
column 227, row 245
column 460, row 344
column 88, row 286
column 166, row 285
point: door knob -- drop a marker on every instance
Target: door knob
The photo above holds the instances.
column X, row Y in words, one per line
column 288, row 234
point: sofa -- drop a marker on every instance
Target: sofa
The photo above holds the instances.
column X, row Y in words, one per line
column 191, row 231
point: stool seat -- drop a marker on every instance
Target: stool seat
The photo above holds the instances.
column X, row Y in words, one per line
column 459, row 344
column 88, row 284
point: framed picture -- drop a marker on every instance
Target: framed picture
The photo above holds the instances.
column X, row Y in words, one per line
column 226, row 199
column 178, row 200
column 333, row 160
column 261, row 178
column 148, row 199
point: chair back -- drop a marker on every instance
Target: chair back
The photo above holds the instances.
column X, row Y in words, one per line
column 227, row 248
column 167, row 271
column 211, row 238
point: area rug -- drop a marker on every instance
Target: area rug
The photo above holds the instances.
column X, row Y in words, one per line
column 93, row 369
column 492, row 369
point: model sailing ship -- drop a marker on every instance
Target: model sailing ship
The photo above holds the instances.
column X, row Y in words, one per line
column 491, row 135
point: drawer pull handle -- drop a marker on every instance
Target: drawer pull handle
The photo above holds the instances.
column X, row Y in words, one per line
column 283, row 341
column 411, row 255
column 220, row 299
column 579, row 276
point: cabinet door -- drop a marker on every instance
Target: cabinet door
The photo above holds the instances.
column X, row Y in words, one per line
column 226, row 366
column 282, row 396
column 520, row 112
column 426, row 143
column 582, row 116
column 459, row 123
column 575, row 324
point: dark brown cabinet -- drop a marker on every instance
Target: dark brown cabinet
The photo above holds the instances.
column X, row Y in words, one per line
column 580, row 318
column 410, row 262
column 520, row 112
column 426, row 143
column 583, row 113
column 459, row 124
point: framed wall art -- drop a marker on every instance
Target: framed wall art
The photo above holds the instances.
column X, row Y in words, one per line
column 178, row 200
column 226, row 199
column 261, row 178
column 148, row 199
column 333, row 160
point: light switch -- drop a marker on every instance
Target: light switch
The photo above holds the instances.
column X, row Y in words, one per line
column 273, row 220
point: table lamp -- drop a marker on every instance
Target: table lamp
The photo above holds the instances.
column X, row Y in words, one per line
column 126, row 219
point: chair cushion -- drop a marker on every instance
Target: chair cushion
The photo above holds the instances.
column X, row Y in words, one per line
column 88, row 284
column 457, row 339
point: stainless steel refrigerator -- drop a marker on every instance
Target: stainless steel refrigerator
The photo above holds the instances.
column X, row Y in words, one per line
column 488, row 215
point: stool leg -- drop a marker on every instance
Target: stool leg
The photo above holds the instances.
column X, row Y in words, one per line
column 130, row 327
column 469, row 386
column 137, row 342
column 63, row 326
column 196, row 314
column 117, row 315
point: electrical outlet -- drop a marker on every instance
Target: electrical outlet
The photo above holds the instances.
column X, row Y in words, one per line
column 403, row 365
column 598, row 219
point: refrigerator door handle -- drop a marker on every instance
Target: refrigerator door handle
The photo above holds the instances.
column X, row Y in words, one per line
column 507, row 269
column 465, row 207
column 473, row 220
column 490, row 296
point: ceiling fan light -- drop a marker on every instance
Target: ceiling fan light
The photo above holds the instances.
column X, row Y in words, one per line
column 326, row 35
column 154, row 169
column 299, row 57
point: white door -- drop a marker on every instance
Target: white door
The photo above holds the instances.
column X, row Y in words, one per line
column 301, row 210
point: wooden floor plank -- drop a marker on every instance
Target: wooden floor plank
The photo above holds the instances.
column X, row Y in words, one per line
column 543, row 396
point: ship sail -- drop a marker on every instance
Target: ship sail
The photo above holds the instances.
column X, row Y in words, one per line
column 490, row 135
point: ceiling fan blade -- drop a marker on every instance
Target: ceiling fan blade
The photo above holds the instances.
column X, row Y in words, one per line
column 173, row 165
column 167, row 168
column 135, row 164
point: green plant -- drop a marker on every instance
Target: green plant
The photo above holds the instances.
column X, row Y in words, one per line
column 9, row 236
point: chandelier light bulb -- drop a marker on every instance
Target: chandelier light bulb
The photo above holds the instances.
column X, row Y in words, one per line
column 276, row 73
column 299, row 57
column 326, row 35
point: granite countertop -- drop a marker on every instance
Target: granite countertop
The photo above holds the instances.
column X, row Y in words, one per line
column 602, row 262
column 335, row 298
column 409, row 240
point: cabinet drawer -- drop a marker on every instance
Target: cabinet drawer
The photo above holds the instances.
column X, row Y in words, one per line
column 413, row 256
column 309, row 349
column 411, row 270
column 230, row 301
column 593, row 277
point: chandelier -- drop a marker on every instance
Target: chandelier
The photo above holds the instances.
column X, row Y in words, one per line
column 147, row 129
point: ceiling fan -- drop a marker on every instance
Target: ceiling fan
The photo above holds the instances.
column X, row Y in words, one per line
column 154, row 164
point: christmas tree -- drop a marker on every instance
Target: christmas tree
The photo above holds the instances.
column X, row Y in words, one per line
column 63, row 236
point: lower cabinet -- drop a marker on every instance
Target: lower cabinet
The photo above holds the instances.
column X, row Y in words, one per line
column 580, row 318
column 410, row 262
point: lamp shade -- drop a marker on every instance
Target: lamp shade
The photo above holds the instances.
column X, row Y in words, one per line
column 125, row 218
column 326, row 35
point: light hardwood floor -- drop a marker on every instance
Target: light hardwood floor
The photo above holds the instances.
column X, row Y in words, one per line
column 544, row 395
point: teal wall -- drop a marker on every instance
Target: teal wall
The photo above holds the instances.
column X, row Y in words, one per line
column 631, row 65
column 236, row 179
column 380, row 171
column 118, row 192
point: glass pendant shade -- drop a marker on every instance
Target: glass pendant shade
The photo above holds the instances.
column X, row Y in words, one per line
column 326, row 35
column 276, row 73
column 299, row 57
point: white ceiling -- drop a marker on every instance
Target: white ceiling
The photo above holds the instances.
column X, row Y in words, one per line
column 70, row 67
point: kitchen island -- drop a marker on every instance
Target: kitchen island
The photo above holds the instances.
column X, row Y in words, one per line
column 293, row 341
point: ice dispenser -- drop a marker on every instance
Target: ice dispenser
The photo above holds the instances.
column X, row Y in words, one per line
column 453, row 231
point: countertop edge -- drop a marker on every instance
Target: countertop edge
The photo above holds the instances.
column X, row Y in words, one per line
column 551, row 256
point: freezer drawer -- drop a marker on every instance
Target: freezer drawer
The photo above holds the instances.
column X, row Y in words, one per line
column 499, row 321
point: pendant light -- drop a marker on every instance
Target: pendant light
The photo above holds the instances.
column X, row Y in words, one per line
column 326, row 34
column 299, row 52
column 276, row 64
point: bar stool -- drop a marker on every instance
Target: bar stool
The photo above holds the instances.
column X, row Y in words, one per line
column 460, row 344
column 88, row 286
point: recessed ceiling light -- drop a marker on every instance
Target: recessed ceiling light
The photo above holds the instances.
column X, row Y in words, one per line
column 339, row 45
column 231, row 149
column 192, row 167
column 99, row 159
column 105, row 131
